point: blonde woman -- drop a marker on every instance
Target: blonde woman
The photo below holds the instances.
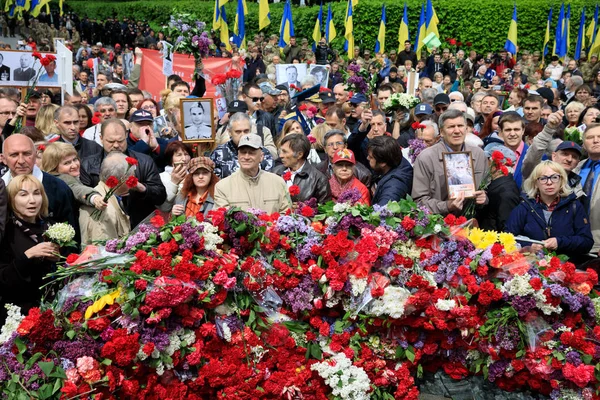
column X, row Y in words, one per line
column 44, row 121
column 551, row 213
column 572, row 112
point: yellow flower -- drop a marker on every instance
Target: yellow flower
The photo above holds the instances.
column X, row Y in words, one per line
column 107, row 299
column 476, row 236
column 508, row 241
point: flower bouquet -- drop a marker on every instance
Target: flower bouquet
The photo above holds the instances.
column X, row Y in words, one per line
column 360, row 81
column 44, row 61
column 400, row 101
column 61, row 234
column 192, row 38
column 573, row 134
column 228, row 84
column 114, row 183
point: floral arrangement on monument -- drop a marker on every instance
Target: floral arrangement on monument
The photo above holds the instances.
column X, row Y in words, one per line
column 190, row 37
column 400, row 101
column 44, row 61
column 341, row 301
column 228, row 84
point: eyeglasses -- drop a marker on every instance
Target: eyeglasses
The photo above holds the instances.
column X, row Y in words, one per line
column 8, row 113
column 552, row 178
column 335, row 144
column 149, row 107
column 257, row 99
column 453, row 100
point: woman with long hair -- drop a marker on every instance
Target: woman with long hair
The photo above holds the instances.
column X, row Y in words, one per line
column 198, row 191
column 44, row 121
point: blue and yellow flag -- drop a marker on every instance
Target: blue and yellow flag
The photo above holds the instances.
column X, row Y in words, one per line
column 264, row 15
column 8, row 5
column 287, row 26
column 318, row 24
column 580, row 36
column 421, row 33
column 330, row 32
column 431, row 20
column 592, row 30
column 566, row 44
column 239, row 27
column 349, row 45
column 511, row 40
column 547, row 36
column 380, row 43
column 403, row 34
column 558, row 35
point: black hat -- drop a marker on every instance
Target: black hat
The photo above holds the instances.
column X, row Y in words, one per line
column 441, row 98
column 237, row 106
column 327, row 97
column 547, row 94
column 141, row 116
column 282, row 88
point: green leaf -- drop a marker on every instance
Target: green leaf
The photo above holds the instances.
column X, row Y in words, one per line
column 315, row 351
column 33, row 360
column 20, row 345
column 71, row 334
column 410, row 355
column 46, row 367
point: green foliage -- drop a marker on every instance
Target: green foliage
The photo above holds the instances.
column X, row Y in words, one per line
column 482, row 22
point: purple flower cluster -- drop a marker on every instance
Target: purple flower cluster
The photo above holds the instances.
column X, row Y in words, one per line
column 351, row 196
column 358, row 83
column 74, row 350
column 291, row 224
column 191, row 239
column 153, row 335
column 508, row 337
column 300, row 298
column 415, row 147
column 448, row 259
column 523, row 304
column 304, row 250
column 138, row 238
column 354, row 67
column 574, row 358
column 497, row 369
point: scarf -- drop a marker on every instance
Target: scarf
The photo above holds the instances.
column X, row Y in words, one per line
column 337, row 188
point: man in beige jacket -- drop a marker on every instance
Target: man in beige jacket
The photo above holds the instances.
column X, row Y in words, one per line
column 429, row 178
column 249, row 186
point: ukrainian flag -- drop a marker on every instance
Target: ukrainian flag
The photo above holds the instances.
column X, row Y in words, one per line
column 511, row 41
column 403, row 34
column 317, row 31
column 349, row 46
column 558, row 37
column 287, row 26
column 547, row 37
column 431, row 21
column 580, row 36
column 380, row 43
column 239, row 27
column 264, row 15
column 566, row 44
column 421, row 33
column 330, row 32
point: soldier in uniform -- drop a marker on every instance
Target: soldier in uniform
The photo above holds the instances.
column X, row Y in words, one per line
column 587, row 67
column 532, row 65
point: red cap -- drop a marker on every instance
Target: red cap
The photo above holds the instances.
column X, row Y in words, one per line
column 344, row 155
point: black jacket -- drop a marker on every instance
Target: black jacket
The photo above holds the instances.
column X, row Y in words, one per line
column 360, row 171
column 324, row 54
column 84, row 147
column 21, row 277
column 268, row 121
column 252, row 68
column 62, row 206
column 3, row 208
column 137, row 205
column 394, row 185
column 504, row 196
column 311, row 181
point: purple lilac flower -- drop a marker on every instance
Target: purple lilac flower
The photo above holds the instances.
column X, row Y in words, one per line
column 191, row 239
column 74, row 350
column 351, row 196
column 508, row 337
column 290, row 224
column 200, row 25
column 523, row 304
column 573, row 358
column 185, row 28
column 159, row 338
column 383, row 211
column 354, row 67
column 179, row 40
column 497, row 369
column 415, row 146
column 195, row 40
column 304, row 251
column 300, row 298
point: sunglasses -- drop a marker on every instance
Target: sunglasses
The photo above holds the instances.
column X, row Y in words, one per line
column 441, row 108
column 257, row 99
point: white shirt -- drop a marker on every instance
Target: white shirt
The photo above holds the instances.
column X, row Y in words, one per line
column 7, row 177
column 294, row 173
column 93, row 133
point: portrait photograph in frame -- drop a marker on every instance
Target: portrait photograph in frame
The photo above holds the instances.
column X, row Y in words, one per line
column 460, row 176
column 197, row 120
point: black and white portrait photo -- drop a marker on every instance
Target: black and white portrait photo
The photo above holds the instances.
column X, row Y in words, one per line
column 320, row 73
column 4, row 70
column 197, row 119
column 291, row 75
column 459, row 174
column 25, row 72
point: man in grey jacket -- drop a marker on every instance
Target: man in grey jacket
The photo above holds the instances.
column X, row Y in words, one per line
column 429, row 182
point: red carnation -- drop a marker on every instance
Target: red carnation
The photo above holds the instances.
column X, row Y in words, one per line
column 233, row 73
column 469, row 44
column 36, row 54
column 287, row 176
column 131, row 182
column 131, row 161
column 452, row 42
column 294, row 190
column 218, row 79
column 497, row 156
column 71, row 258
column 112, row 182
column 307, row 211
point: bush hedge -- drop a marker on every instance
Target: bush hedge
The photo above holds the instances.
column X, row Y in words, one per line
column 484, row 23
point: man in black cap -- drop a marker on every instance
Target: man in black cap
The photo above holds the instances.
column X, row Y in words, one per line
column 327, row 99
column 142, row 140
column 547, row 95
column 440, row 103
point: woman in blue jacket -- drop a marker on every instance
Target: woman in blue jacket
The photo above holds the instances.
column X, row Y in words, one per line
column 550, row 212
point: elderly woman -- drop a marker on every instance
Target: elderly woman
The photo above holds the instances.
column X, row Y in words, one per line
column 549, row 212
column 113, row 222
column 572, row 112
column 25, row 258
column 343, row 178
column 177, row 157
column 61, row 160
column 197, row 194
column 588, row 116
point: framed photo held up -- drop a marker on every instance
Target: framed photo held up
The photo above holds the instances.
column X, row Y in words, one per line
column 460, row 176
column 197, row 120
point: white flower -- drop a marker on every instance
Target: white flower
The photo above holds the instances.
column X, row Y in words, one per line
column 445, row 305
column 391, row 303
column 330, row 220
column 341, row 207
column 13, row 320
column 226, row 332
column 60, row 233
column 358, row 285
column 437, row 228
column 346, row 380
column 211, row 237
column 518, row 286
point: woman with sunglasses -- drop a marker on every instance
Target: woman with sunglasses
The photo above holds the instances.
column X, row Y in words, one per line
column 550, row 213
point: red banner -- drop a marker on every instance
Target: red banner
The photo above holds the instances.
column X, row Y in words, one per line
column 153, row 80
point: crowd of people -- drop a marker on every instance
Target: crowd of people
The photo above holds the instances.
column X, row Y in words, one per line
column 279, row 145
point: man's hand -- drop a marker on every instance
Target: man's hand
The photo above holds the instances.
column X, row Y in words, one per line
column 178, row 209
column 365, row 120
column 140, row 188
column 457, row 203
column 99, row 202
column 480, row 197
column 138, row 55
column 551, row 244
column 555, row 119
column 21, row 112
